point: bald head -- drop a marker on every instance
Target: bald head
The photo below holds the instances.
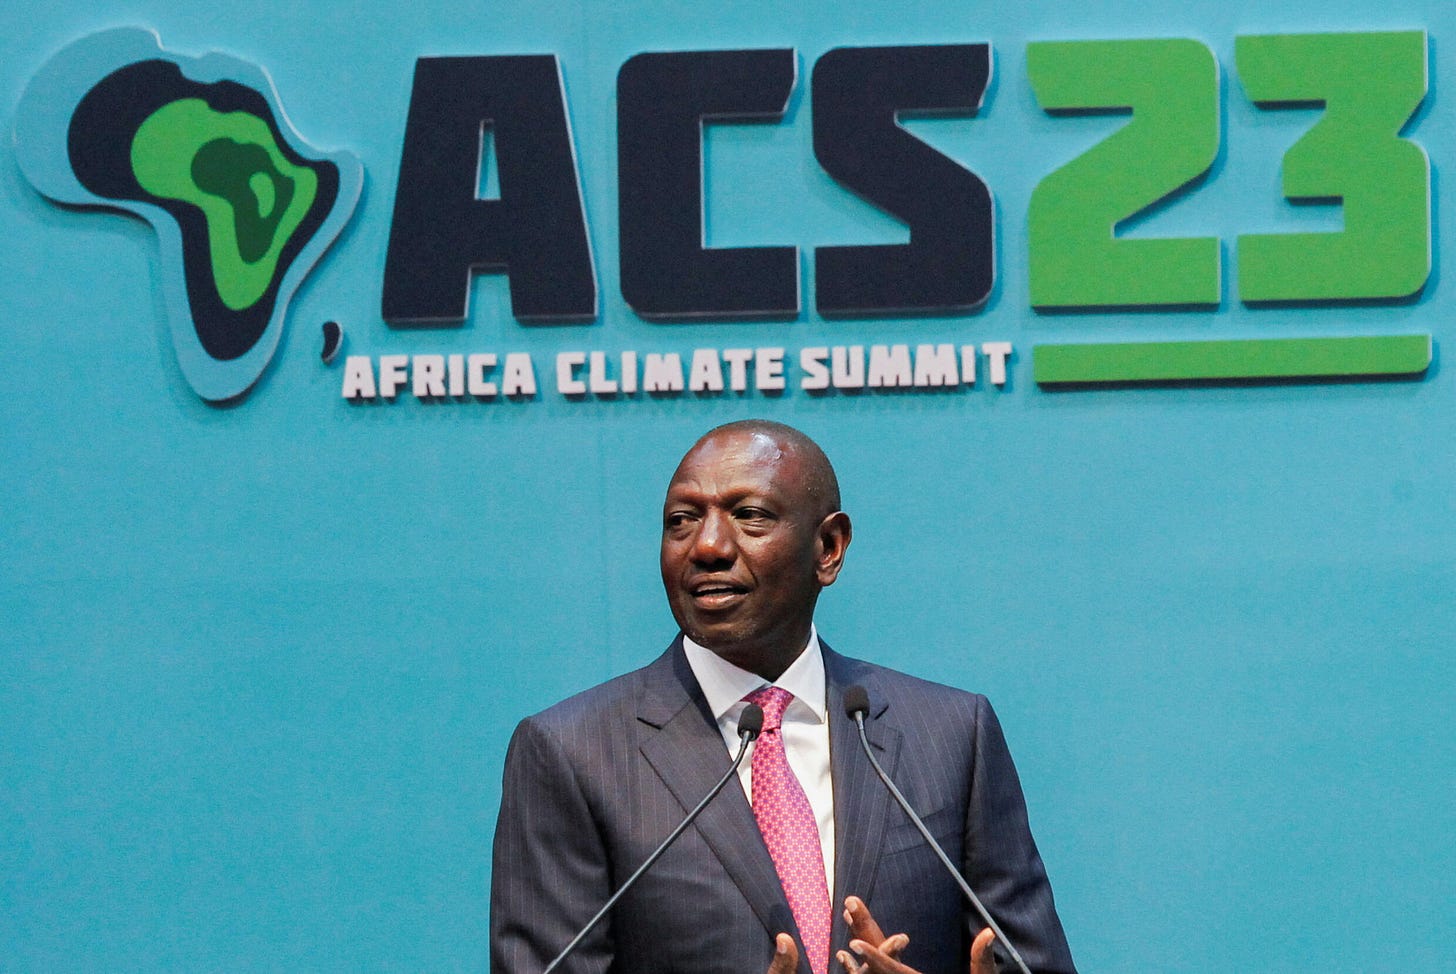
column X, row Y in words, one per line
column 815, row 472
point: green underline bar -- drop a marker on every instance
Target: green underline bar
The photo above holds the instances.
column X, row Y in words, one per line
column 1250, row 358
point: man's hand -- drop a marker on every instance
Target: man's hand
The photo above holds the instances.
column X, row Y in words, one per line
column 982, row 960
column 786, row 955
column 866, row 933
column 874, row 953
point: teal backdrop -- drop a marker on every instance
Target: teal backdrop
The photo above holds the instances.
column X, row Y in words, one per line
column 259, row 662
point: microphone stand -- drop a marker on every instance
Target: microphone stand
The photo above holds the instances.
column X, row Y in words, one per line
column 857, row 704
column 749, row 725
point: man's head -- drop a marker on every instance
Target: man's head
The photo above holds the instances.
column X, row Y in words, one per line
column 751, row 531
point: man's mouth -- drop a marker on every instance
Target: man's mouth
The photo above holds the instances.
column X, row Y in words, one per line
column 711, row 595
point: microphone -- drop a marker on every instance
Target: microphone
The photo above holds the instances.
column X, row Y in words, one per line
column 750, row 723
column 856, row 706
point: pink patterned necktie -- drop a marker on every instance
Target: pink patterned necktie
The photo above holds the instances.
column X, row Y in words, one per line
column 789, row 830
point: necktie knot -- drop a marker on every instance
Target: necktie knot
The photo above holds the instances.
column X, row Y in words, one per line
column 774, row 701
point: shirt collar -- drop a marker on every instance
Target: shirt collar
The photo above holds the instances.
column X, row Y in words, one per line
column 725, row 685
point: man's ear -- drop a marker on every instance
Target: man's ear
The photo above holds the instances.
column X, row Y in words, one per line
column 832, row 542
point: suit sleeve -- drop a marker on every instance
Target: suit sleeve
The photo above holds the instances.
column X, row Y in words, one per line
column 1002, row 863
column 550, row 870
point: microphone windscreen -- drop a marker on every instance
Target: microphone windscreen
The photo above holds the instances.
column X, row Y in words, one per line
column 750, row 722
column 856, row 701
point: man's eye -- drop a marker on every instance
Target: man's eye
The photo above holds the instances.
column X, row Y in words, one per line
column 676, row 519
column 752, row 514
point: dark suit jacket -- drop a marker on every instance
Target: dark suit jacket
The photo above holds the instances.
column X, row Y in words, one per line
column 593, row 784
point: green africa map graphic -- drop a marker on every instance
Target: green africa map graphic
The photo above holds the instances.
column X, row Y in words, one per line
column 201, row 150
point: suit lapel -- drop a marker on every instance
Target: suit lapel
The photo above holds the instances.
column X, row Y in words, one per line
column 862, row 804
column 686, row 750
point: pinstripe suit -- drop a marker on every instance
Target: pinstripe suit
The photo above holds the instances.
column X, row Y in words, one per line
column 593, row 784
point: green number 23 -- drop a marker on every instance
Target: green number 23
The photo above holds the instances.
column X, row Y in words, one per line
column 1370, row 84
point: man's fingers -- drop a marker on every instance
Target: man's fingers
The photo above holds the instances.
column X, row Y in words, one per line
column 983, row 959
column 877, row 961
column 847, row 961
column 786, row 955
column 862, row 925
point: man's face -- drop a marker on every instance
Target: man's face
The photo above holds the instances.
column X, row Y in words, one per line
column 743, row 557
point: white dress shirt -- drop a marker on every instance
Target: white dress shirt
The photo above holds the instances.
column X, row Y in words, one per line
column 805, row 728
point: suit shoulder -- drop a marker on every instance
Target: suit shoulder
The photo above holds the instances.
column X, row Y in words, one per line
column 941, row 701
column 592, row 705
column 874, row 674
column 919, row 703
column 928, row 688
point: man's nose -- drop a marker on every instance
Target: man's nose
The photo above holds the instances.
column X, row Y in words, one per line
column 714, row 542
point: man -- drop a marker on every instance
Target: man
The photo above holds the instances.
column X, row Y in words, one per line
column 752, row 532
